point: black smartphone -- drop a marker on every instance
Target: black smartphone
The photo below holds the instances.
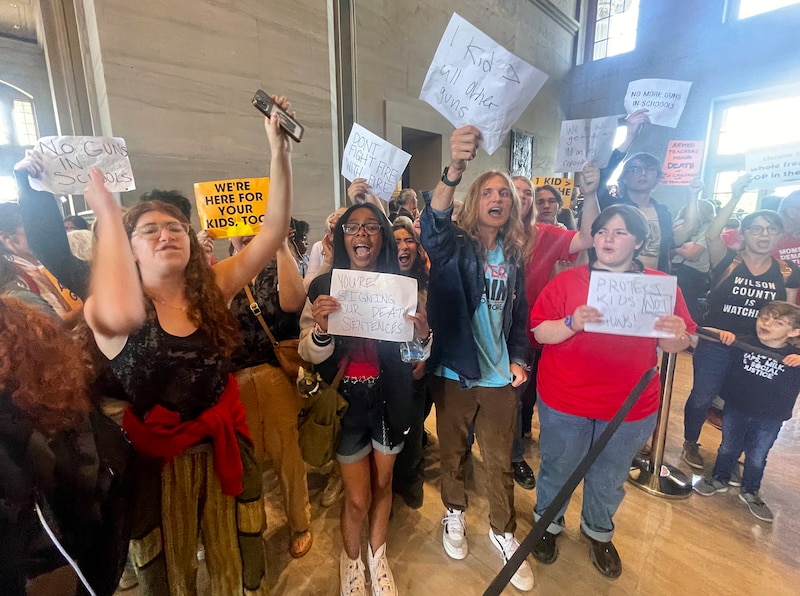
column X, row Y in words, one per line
column 264, row 104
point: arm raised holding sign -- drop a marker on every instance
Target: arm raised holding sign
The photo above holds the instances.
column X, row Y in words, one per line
column 358, row 193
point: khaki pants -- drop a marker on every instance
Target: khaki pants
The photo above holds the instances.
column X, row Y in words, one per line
column 273, row 403
column 493, row 411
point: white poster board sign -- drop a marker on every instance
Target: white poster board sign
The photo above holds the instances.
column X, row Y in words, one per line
column 366, row 155
column 67, row 161
column 773, row 166
column 665, row 98
column 473, row 80
column 374, row 305
column 591, row 139
column 631, row 303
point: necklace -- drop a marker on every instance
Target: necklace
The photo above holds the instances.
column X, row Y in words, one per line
column 181, row 308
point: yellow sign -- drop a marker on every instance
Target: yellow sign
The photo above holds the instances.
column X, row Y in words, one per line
column 564, row 185
column 232, row 207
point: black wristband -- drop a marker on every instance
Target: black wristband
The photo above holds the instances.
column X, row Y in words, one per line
column 446, row 181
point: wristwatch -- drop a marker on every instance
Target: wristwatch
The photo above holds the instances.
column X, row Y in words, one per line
column 568, row 322
column 448, row 182
column 426, row 340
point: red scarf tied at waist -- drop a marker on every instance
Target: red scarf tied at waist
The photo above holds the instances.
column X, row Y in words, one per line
column 163, row 435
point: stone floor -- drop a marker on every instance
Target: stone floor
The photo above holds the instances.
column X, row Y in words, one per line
column 694, row 546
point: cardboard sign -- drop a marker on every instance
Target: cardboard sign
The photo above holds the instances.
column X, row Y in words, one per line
column 374, row 305
column 773, row 166
column 566, row 186
column 682, row 162
column 631, row 303
column 473, row 80
column 591, row 139
column 366, row 155
column 232, row 207
column 67, row 161
column 664, row 98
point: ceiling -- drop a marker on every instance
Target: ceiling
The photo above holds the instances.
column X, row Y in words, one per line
column 17, row 19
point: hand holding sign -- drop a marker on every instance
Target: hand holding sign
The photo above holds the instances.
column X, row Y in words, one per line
column 590, row 178
column 97, row 196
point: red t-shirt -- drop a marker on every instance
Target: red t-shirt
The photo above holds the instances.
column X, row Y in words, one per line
column 591, row 374
column 551, row 245
column 788, row 249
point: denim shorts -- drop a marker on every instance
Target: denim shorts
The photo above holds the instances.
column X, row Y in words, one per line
column 364, row 426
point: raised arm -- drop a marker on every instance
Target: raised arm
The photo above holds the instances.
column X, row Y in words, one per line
column 633, row 124
column 691, row 216
column 44, row 228
column 464, row 143
column 358, row 192
column 236, row 271
column 589, row 181
column 291, row 293
column 115, row 307
column 716, row 246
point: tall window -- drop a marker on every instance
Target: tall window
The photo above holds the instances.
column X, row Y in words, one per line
column 614, row 27
column 745, row 124
column 18, row 130
column 749, row 8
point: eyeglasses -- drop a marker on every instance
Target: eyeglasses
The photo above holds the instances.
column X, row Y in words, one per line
column 758, row 230
column 152, row 230
column 641, row 170
column 370, row 228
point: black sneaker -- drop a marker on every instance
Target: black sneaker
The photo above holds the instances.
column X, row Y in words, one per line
column 545, row 550
column 691, row 455
column 523, row 474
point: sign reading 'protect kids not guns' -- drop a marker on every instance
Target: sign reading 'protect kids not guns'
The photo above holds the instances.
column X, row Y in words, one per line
column 232, row 207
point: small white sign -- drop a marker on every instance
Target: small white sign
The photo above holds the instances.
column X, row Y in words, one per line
column 473, row 80
column 773, row 166
column 67, row 161
column 374, row 305
column 665, row 98
column 631, row 303
column 586, row 140
column 366, row 155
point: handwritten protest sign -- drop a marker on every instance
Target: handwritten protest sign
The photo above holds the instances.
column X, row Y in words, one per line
column 374, row 305
column 565, row 186
column 366, row 155
column 67, row 161
column 473, row 80
column 665, row 98
column 773, row 166
column 682, row 162
column 232, row 207
column 631, row 303
column 585, row 140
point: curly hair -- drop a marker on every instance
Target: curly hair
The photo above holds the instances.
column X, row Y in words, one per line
column 207, row 307
column 512, row 233
column 43, row 369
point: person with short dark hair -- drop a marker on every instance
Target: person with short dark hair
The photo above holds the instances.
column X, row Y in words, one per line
column 577, row 402
column 170, row 197
column 759, row 393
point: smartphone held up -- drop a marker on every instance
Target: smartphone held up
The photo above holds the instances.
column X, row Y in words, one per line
column 267, row 106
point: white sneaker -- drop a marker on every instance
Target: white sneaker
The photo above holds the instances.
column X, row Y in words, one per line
column 508, row 545
column 379, row 573
column 351, row 576
column 454, row 537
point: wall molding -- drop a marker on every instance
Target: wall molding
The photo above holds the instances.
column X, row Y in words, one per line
column 564, row 20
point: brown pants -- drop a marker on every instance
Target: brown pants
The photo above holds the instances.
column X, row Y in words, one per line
column 272, row 405
column 493, row 410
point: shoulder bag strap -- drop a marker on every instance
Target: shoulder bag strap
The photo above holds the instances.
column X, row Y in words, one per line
column 340, row 373
column 737, row 260
column 254, row 308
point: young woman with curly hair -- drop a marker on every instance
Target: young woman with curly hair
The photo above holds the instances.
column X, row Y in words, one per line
column 159, row 313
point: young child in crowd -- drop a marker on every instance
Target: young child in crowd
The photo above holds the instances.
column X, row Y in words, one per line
column 759, row 393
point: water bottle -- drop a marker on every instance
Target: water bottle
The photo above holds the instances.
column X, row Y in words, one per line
column 412, row 351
